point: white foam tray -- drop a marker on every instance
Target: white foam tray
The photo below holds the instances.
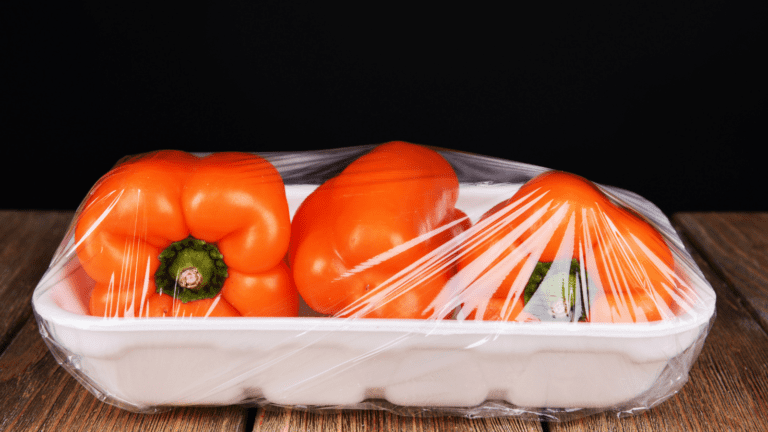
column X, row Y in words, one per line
column 146, row 363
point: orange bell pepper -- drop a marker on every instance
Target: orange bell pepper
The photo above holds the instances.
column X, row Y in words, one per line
column 365, row 243
column 172, row 234
column 620, row 265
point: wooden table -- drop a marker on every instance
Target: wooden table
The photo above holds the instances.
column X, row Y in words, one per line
column 727, row 390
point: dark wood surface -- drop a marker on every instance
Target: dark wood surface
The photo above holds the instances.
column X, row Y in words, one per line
column 27, row 243
column 737, row 246
column 727, row 389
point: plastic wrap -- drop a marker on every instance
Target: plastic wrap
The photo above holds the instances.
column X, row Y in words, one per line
column 395, row 277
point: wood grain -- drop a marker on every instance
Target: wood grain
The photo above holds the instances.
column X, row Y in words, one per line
column 37, row 394
column 728, row 384
column 286, row 419
column 737, row 244
column 28, row 240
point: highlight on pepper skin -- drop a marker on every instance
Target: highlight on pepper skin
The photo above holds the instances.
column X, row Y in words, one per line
column 172, row 234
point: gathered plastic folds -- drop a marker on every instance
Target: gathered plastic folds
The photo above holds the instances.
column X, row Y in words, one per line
column 396, row 276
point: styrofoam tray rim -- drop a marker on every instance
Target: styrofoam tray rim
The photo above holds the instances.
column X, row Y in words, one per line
column 48, row 310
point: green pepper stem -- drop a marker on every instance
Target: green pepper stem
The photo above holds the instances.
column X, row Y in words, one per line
column 190, row 270
column 190, row 278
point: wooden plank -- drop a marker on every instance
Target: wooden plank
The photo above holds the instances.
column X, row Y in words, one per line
column 737, row 243
column 37, row 394
column 28, row 240
column 728, row 384
column 285, row 419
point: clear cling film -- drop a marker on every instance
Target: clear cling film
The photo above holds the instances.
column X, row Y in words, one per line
column 173, row 234
column 394, row 276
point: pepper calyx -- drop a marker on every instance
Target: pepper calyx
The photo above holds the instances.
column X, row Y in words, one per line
column 191, row 269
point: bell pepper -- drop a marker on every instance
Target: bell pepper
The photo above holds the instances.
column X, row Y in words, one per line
column 608, row 264
column 172, row 234
column 367, row 243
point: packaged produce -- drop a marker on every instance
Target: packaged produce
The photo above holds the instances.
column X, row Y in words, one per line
column 352, row 241
column 394, row 276
column 172, row 234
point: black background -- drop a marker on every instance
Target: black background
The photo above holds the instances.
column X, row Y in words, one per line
column 665, row 100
